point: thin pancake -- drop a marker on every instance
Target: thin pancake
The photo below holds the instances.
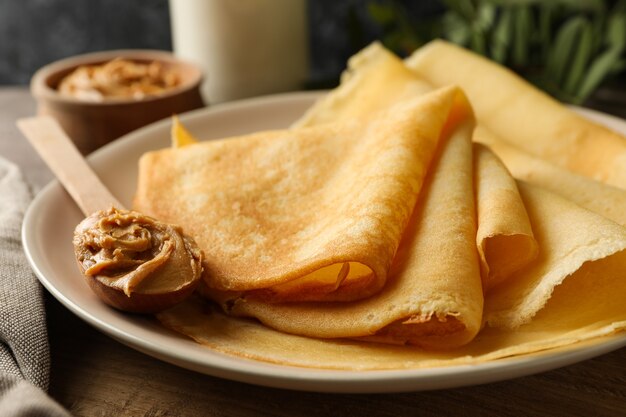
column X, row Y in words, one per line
column 503, row 225
column 375, row 80
column 434, row 294
column 568, row 237
column 307, row 214
column 521, row 114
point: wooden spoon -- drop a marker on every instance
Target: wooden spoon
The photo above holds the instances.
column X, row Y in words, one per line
column 163, row 273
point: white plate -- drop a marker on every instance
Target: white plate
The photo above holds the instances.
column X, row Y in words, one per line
column 47, row 236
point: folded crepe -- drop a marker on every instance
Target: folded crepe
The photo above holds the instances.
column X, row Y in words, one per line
column 504, row 239
column 570, row 239
column 524, row 116
column 303, row 214
column 433, row 297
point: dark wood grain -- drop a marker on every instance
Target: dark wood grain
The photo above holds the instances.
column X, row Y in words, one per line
column 93, row 375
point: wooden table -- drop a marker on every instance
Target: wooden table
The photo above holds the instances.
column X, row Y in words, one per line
column 93, row 375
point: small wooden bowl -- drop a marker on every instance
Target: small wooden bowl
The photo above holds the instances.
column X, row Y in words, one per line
column 93, row 124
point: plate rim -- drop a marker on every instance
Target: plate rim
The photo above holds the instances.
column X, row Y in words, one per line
column 299, row 378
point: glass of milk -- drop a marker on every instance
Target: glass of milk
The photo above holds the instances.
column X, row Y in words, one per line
column 245, row 47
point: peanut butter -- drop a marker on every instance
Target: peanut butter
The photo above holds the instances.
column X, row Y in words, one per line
column 135, row 253
column 119, row 78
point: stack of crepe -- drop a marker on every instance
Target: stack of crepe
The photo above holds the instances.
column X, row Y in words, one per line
column 383, row 229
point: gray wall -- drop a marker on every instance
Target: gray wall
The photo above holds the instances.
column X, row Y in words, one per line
column 36, row 32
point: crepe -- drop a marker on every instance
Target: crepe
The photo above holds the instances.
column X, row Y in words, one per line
column 307, row 214
column 503, row 225
column 522, row 115
column 570, row 238
column 434, row 295
column 504, row 240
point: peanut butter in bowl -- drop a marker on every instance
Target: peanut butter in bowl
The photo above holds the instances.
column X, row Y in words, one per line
column 120, row 79
column 99, row 97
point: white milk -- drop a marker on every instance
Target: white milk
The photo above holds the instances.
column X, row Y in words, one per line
column 245, row 47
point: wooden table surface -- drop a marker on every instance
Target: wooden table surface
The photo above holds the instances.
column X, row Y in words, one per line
column 93, row 375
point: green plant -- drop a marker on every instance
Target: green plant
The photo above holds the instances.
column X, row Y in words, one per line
column 566, row 47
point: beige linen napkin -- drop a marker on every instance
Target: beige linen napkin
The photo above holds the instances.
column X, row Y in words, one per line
column 24, row 353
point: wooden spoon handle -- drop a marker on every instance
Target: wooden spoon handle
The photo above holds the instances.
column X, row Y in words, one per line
column 60, row 154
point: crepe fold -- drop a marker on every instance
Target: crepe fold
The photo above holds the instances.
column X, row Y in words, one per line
column 524, row 116
column 306, row 214
column 433, row 297
column 570, row 238
column 504, row 228
column 504, row 239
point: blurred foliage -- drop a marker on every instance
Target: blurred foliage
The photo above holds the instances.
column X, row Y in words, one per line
column 566, row 47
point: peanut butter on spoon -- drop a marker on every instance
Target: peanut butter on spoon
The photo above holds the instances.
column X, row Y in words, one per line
column 131, row 261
